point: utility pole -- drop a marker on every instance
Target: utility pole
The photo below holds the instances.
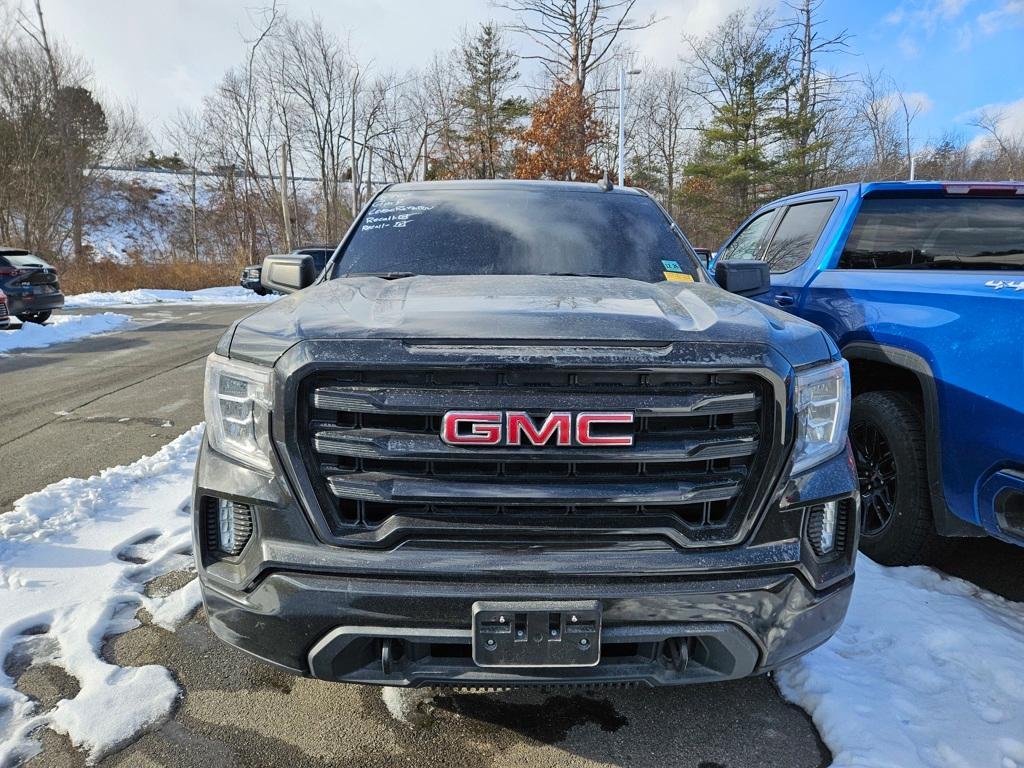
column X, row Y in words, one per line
column 622, row 121
column 284, row 198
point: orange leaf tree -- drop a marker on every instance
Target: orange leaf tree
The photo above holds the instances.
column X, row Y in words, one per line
column 560, row 140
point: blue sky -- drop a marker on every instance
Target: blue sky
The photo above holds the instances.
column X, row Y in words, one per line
column 959, row 54
column 955, row 55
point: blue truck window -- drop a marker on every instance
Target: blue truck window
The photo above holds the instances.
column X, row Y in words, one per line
column 937, row 233
column 745, row 246
column 796, row 235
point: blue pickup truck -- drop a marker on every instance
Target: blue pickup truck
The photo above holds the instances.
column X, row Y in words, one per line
column 921, row 285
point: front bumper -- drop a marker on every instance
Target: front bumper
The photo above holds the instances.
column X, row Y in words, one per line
column 335, row 627
column 328, row 611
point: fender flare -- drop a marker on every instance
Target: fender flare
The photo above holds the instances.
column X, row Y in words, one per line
column 946, row 523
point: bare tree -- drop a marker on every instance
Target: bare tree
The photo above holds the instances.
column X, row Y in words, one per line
column 187, row 134
column 666, row 109
column 910, row 109
column 312, row 70
column 575, row 36
column 73, row 171
column 876, row 112
column 1009, row 147
column 815, row 94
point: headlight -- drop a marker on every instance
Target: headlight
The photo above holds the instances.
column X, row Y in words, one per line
column 822, row 414
column 238, row 401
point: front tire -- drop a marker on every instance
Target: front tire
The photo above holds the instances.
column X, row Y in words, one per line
column 35, row 317
column 889, row 445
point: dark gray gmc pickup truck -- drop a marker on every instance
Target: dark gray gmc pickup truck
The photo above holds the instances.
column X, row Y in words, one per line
column 514, row 434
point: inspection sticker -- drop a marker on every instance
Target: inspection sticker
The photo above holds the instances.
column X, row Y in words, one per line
column 677, row 277
column 671, row 266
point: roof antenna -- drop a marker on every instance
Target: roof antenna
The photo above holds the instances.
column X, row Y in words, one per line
column 605, row 183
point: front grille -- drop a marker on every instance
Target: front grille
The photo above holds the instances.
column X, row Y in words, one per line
column 3, row 311
column 374, row 455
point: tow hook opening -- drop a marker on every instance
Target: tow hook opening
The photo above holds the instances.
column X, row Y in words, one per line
column 417, row 656
column 392, row 650
column 675, row 652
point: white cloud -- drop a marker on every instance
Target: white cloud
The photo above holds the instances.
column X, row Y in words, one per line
column 1010, row 13
column 908, row 47
column 950, row 9
column 919, row 102
column 662, row 43
column 964, row 37
column 894, row 17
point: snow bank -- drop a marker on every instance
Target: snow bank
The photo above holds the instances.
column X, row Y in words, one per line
column 59, row 329
column 74, row 559
column 927, row 670
column 234, row 294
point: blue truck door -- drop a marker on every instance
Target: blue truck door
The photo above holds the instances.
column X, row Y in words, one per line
column 748, row 242
column 792, row 242
column 785, row 237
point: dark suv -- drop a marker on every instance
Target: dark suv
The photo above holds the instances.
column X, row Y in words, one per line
column 251, row 275
column 514, row 434
column 31, row 286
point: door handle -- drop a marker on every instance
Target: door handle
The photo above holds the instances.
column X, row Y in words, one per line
column 784, row 300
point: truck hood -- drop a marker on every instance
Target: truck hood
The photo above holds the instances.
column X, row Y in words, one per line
column 522, row 308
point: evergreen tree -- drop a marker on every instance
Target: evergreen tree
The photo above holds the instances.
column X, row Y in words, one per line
column 489, row 70
column 741, row 72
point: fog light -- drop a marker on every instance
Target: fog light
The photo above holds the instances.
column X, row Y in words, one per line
column 229, row 526
column 826, row 526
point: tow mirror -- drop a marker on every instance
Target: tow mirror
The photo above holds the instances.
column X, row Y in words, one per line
column 746, row 278
column 287, row 274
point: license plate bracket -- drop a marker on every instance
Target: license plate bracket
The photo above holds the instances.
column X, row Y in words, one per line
column 537, row 633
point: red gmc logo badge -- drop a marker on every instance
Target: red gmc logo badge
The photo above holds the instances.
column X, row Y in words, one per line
column 518, row 428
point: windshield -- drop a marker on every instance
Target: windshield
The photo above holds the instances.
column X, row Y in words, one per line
column 448, row 231
column 982, row 233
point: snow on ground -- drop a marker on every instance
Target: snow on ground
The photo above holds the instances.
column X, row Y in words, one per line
column 927, row 670
column 60, row 328
column 74, row 559
column 141, row 213
column 232, row 294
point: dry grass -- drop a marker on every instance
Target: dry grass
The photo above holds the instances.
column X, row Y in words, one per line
column 184, row 276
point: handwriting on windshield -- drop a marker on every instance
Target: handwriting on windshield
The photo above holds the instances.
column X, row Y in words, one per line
column 392, row 215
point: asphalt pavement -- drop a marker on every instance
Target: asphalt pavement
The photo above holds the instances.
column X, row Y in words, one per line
column 73, row 409
column 77, row 408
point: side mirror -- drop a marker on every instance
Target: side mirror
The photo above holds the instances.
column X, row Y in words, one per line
column 705, row 255
column 287, row 274
column 746, row 278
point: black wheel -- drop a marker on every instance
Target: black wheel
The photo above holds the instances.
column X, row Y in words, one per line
column 888, row 438
column 35, row 317
column 260, row 291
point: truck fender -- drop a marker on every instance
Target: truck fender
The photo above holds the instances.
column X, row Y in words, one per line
column 946, row 523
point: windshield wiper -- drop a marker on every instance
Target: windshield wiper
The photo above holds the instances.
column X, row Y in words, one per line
column 382, row 275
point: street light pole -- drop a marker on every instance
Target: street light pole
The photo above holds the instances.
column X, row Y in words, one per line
column 622, row 121
column 622, row 124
